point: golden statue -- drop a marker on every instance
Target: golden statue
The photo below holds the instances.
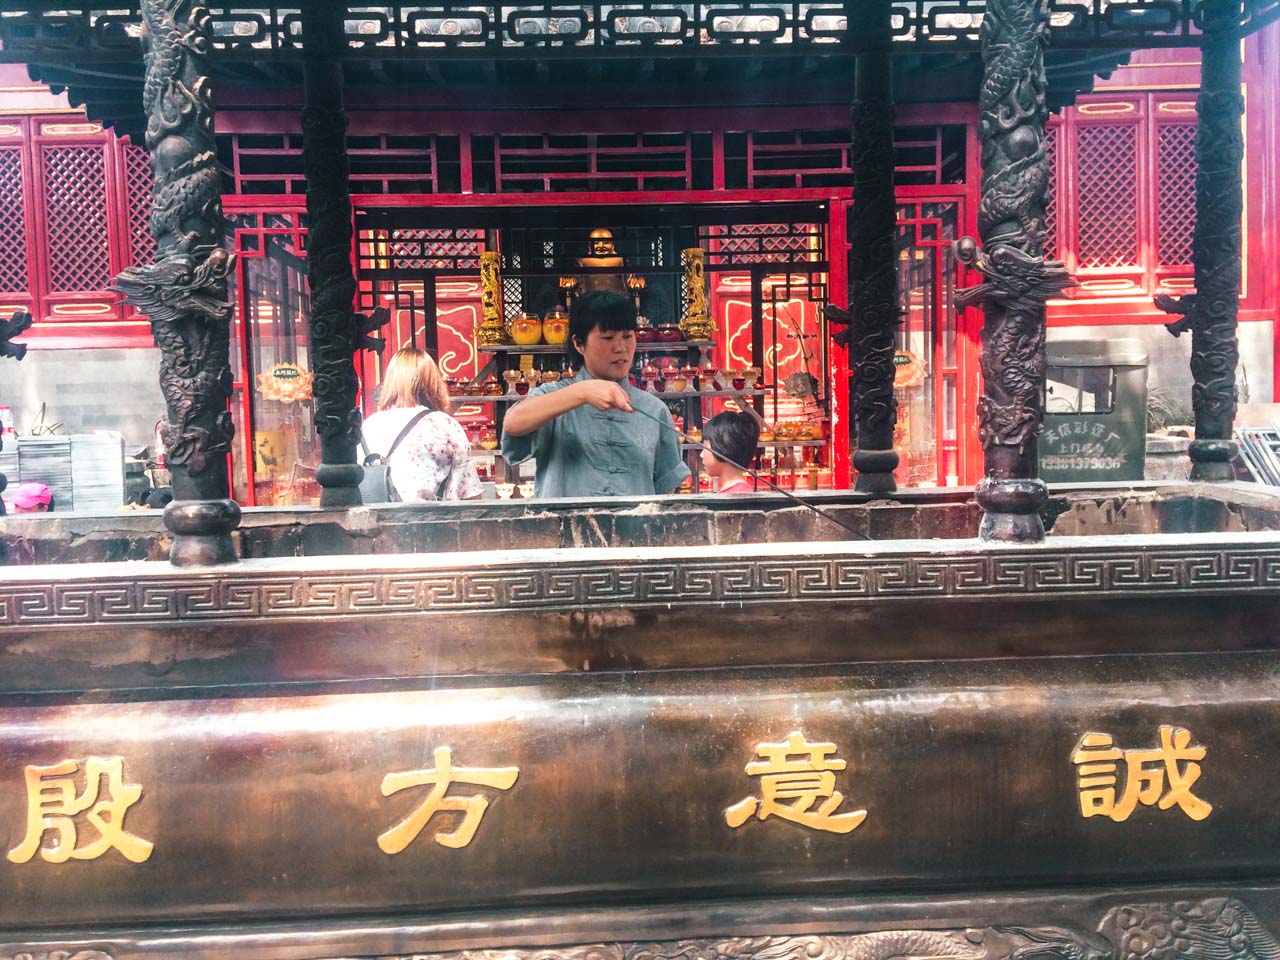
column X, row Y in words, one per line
column 696, row 324
column 491, row 331
column 602, row 254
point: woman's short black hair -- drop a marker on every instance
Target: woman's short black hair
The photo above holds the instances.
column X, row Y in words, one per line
column 732, row 436
column 601, row 309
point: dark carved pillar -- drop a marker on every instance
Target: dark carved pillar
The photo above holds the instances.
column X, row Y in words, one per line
column 184, row 292
column 333, row 285
column 873, row 280
column 1210, row 313
column 1017, row 277
column 19, row 323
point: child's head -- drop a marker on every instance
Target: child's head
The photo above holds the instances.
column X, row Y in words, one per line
column 729, row 436
column 29, row 497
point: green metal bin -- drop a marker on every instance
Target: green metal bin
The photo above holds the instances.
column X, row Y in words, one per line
column 1095, row 411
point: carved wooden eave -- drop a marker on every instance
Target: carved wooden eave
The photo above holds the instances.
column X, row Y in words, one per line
column 96, row 57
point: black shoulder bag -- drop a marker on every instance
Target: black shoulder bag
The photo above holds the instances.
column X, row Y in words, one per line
column 376, row 487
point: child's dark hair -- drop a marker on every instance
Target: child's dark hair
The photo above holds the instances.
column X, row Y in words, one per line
column 732, row 436
column 599, row 308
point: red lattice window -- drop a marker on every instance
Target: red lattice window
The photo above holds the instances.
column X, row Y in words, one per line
column 1107, row 191
column 1176, row 211
column 785, row 159
column 76, row 214
column 796, row 158
column 13, row 224
column 138, row 181
column 1052, row 245
column 384, row 163
column 555, row 163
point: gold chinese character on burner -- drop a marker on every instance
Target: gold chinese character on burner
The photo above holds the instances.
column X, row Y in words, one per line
column 1161, row 777
column 436, row 801
column 793, row 777
column 53, row 804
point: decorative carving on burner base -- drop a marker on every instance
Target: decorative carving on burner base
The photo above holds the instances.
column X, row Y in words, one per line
column 1187, row 930
column 1210, row 313
column 333, row 325
column 1017, row 279
column 184, row 292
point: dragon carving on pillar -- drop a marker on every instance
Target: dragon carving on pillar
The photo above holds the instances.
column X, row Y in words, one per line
column 1018, row 280
column 1210, row 313
column 184, row 292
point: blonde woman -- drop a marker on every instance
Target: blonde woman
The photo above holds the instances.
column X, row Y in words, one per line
column 433, row 460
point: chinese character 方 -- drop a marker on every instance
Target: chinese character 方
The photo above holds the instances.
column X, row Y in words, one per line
column 437, row 800
column 793, row 777
column 53, row 804
column 1161, row 777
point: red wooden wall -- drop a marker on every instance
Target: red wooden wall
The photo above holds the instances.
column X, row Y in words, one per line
column 74, row 201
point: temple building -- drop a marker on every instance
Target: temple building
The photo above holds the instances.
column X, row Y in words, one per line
column 448, row 160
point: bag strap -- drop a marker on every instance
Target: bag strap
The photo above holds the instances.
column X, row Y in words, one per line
column 413, row 422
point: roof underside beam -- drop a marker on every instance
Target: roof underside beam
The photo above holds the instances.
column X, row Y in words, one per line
column 75, row 33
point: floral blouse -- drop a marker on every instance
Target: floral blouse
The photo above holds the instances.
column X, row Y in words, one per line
column 436, row 451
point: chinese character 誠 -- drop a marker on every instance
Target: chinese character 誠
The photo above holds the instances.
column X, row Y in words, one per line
column 1162, row 777
column 436, row 801
column 793, row 777
column 53, row 805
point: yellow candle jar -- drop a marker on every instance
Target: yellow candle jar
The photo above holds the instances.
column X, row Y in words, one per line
column 526, row 330
column 555, row 327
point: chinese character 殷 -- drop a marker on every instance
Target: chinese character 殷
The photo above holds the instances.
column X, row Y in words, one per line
column 1161, row 777
column 437, row 801
column 793, row 777
column 53, row 804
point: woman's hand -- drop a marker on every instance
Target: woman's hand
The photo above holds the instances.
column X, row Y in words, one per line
column 604, row 395
column 534, row 411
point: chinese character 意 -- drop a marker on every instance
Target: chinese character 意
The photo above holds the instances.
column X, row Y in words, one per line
column 1146, row 774
column 436, row 801
column 53, row 804
column 793, row 777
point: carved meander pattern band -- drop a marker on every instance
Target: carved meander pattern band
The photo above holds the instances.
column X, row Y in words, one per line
column 528, row 586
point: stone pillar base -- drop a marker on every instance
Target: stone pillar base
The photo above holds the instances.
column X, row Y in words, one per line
column 1211, row 460
column 875, row 471
column 1011, row 510
column 202, row 532
column 339, row 484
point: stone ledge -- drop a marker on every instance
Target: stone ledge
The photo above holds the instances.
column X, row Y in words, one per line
column 949, row 514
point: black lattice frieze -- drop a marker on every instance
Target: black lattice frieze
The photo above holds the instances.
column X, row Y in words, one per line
column 746, row 243
column 1107, row 191
column 1176, row 200
column 13, row 224
column 139, row 179
column 76, row 214
column 436, row 249
column 74, row 31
